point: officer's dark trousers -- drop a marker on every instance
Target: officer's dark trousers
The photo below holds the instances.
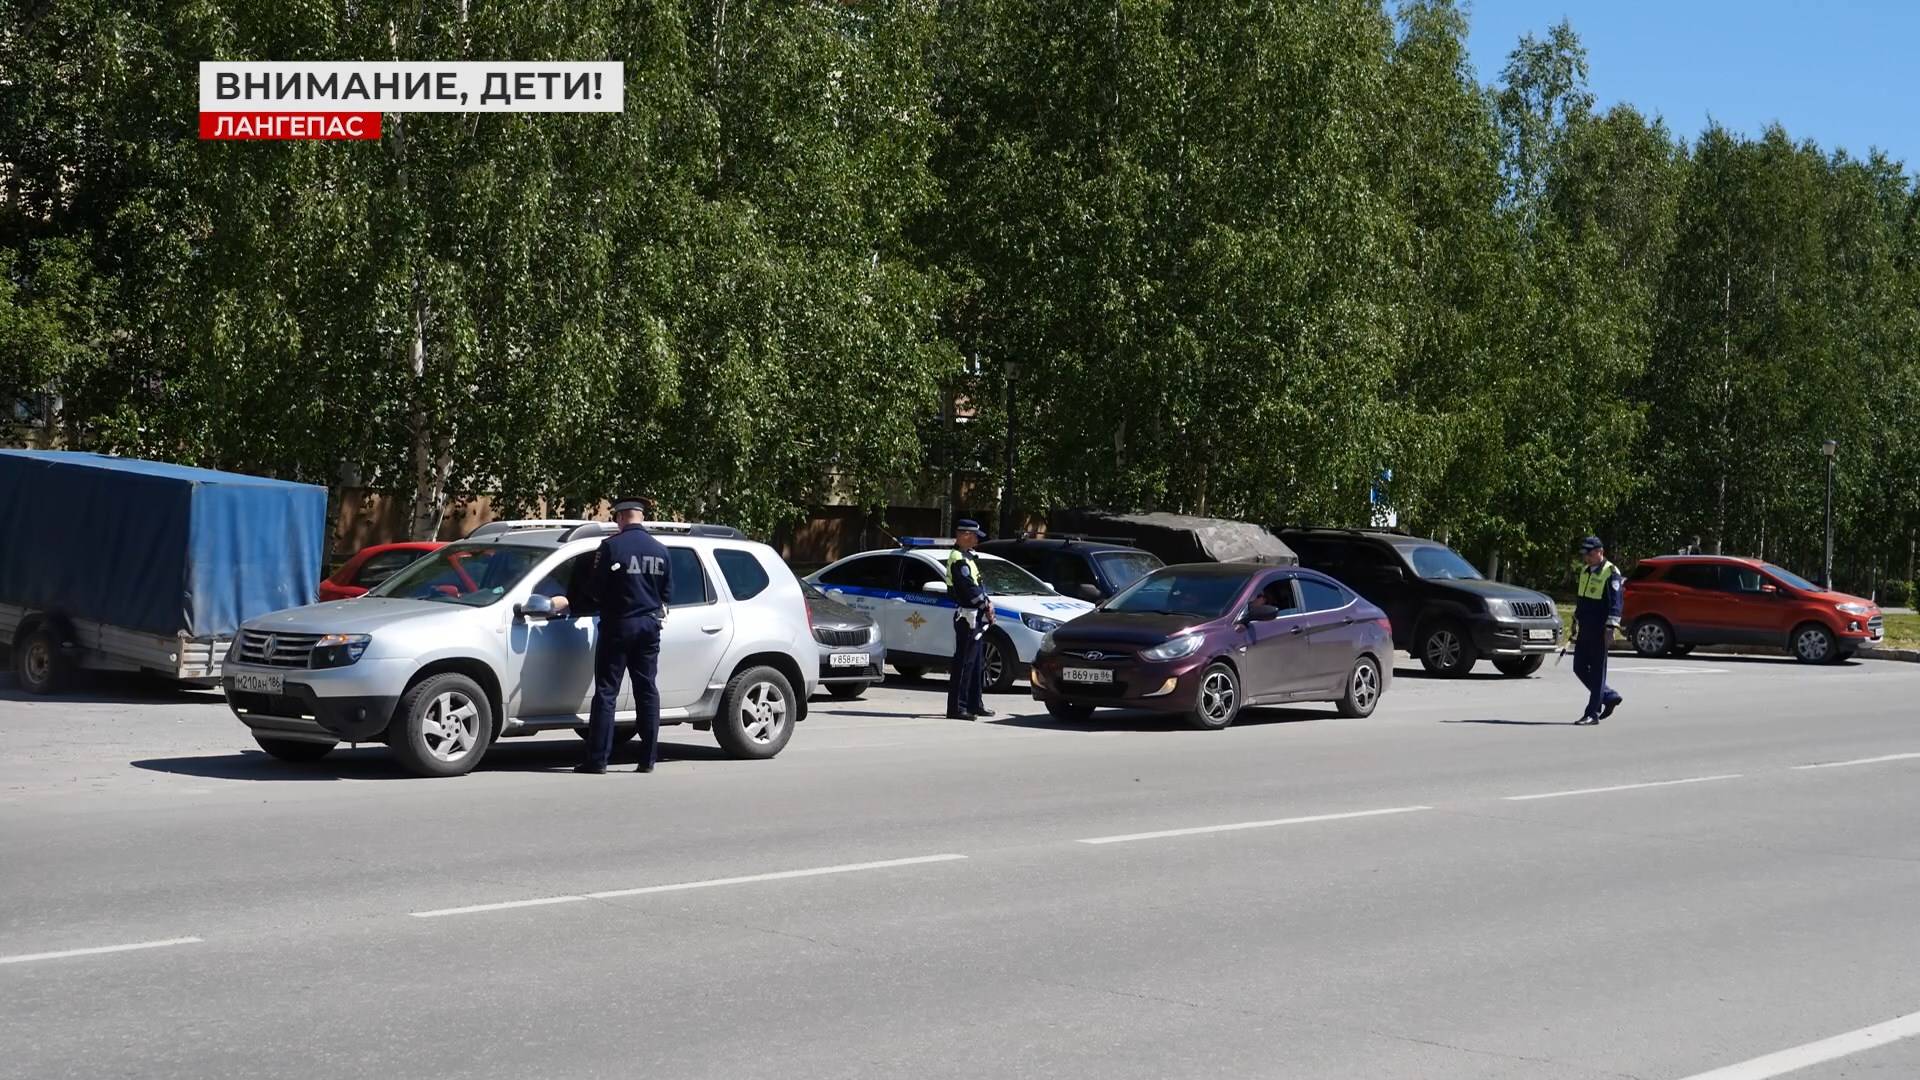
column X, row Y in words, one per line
column 630, row 646
column 1590, row 667
column 964, row 675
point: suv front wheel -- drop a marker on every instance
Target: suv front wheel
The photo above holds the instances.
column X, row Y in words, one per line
column 443, row 726
column 1446, row 650
column 756, row 714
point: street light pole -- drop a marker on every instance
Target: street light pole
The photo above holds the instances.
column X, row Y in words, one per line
column 1830, row 449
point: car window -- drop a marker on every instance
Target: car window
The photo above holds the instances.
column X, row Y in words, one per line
column 1005, row 579
column 1368, row 561
column 1694, row 576
column 1177, row 592
column 380, row 567
column 690, row 586
column 1066, row 572
column 1793, row 579
column 1123, row 568
column 916, row 573
column 559, row 581
column 1436, row 563
column 1741, row 579
column 746, row 578
column 467, row 573
column 1641, row 572
column 872, row 572
column 1279, row 593
column 1319, row 595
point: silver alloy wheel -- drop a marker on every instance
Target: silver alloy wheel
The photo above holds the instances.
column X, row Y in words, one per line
column 1811, row 644
column 1366, row 685
column 763, row 712
column 993, row 665
column 1217, row 696
column 1443, row 649
column 451, row 726
column 39, row 661
column 1651, row 637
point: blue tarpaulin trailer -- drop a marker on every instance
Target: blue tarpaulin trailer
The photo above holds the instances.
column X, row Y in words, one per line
column 121, row 564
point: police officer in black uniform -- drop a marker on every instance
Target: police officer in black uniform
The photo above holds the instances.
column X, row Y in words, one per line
column 966, row 675
column 1596, row 617
column 630, row 580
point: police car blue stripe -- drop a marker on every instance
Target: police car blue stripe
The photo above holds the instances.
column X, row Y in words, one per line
column 924, row 600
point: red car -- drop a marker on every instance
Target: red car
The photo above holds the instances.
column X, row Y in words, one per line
column 372, row 565
column 1675, row 602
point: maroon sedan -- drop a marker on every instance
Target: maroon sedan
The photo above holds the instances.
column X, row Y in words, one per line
column 1205, row 640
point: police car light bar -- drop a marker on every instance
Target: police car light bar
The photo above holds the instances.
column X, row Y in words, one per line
column 925, row 541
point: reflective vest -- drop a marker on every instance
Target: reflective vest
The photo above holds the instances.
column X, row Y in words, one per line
column 955, row 555
column 1593, row 580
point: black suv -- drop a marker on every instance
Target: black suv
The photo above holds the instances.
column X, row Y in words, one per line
column 1082, row 568
column 1443, row 611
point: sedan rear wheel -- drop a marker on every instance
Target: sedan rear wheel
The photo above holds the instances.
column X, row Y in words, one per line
column 1219, row 699
column 1363, row 689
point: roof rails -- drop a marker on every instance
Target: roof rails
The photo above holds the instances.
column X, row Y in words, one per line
column 1371, row 529
column 676, row 528
column 497, row 528
column 1085, row 539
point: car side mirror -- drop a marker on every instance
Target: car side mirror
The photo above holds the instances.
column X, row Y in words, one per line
column 1262, row 612
column 1391, row 573
column 939, row 587
column 1089, row 593
column 535, row 607
column 1773, row 590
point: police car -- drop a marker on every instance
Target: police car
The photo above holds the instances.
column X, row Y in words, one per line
column 905, row 590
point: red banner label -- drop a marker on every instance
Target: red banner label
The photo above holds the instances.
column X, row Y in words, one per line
column 289, row 125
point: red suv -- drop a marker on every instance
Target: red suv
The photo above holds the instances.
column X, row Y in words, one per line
column 1675, row 602
column 372, row 565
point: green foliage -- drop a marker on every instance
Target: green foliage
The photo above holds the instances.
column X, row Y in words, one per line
column 1239, row 256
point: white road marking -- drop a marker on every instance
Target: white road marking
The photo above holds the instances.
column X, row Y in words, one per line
column 1237, row 826
column 682, row 886
column 1622, row 787
column 1690, row 669
column 98, row 950
column 1858, row 761
column 1814, row 1053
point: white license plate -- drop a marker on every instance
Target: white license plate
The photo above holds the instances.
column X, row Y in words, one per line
column 1086, row 675
column 1539, row 635
column 847, row 659
column 257, row 682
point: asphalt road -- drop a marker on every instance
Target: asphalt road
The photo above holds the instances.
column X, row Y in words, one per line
column 1461, row 886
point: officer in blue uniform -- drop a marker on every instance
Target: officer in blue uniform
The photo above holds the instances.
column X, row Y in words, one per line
column 1596, row 615
column 966, row 675
column 630, row 580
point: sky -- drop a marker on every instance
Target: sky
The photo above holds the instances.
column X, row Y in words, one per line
column 1845, row 73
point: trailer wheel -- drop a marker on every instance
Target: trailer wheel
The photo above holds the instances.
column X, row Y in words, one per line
column 37, row 663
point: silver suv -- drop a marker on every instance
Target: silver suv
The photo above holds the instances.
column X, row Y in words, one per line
column 463, row 647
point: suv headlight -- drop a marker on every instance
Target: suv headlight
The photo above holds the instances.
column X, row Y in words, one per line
column 1184, row 645
column 1040, row 624
column 1854, row 609
column 1498, row 610
column 338, row 650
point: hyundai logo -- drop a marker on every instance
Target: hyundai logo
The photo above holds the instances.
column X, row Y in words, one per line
column 1096, row 656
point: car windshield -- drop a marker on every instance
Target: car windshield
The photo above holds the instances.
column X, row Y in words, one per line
column 1436, row 563
column 1176, row 592
column 472, row 574
column 1123, row 568
column 1791, row 579
column 1002, row 578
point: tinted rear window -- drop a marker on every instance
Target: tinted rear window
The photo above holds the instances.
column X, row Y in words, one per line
column 746, row 578
column 1318, row 595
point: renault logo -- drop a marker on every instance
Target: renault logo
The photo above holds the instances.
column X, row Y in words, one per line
column 271, row 640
